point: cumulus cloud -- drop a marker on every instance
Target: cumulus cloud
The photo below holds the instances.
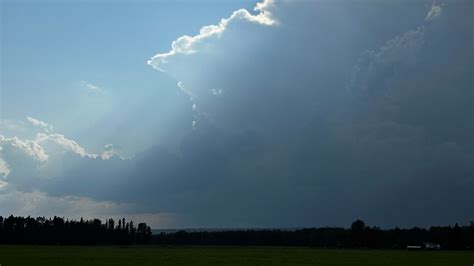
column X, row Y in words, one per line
column 287, row 124
column 65, row 143
column 35, row 149
column 29, row 147
column 190, row 44
column 46, row 145
column 434, row 13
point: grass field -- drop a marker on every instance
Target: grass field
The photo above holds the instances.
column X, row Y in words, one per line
column 150, row 255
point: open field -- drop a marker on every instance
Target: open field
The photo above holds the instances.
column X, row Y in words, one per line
column 203, row 255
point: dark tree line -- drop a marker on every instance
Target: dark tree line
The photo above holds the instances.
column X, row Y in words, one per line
column 358, row 236
column 57, row 231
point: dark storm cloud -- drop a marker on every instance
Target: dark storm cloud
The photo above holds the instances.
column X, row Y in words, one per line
column 341, row 110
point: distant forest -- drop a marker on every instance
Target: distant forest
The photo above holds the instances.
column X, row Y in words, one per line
column 58, row 231
column 358, row 236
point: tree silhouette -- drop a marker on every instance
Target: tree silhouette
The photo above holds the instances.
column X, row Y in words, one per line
column 57, row 231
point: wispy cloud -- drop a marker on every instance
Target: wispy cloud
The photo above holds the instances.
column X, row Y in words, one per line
column 41, row 124
column 434, row 13
column 216, row 92
column 4, row 170
column 110, row 151
column 3, row 184
column 91, row 88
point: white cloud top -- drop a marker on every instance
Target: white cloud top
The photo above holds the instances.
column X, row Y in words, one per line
column 34, row 147
column 188, row 44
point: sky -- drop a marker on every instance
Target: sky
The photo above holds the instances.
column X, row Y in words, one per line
column 272, row 113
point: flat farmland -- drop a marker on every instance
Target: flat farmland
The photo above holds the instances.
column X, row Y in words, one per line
column 223, row 255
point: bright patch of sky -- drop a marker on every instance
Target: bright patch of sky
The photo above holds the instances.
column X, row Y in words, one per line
column 81, row 66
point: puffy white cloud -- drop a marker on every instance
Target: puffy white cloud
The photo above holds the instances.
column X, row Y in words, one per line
column 434, row 13
column 190, row 44
column 45, row 146
column 65, row 143
column 30, row 147
column 35, row 147
column 41, row 124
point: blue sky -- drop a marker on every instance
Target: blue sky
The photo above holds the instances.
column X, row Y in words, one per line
column 239, row 113
column 51, row 50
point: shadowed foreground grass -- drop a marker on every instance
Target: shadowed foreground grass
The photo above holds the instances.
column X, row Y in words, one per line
column 204, row 255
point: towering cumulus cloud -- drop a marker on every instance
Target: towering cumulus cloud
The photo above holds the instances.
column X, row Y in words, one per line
column 340, row 105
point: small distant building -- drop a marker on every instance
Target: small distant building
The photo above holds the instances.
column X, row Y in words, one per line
column 426, row 246
column 431, row 246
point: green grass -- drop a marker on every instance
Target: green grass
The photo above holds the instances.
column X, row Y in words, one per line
column 202, row 255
